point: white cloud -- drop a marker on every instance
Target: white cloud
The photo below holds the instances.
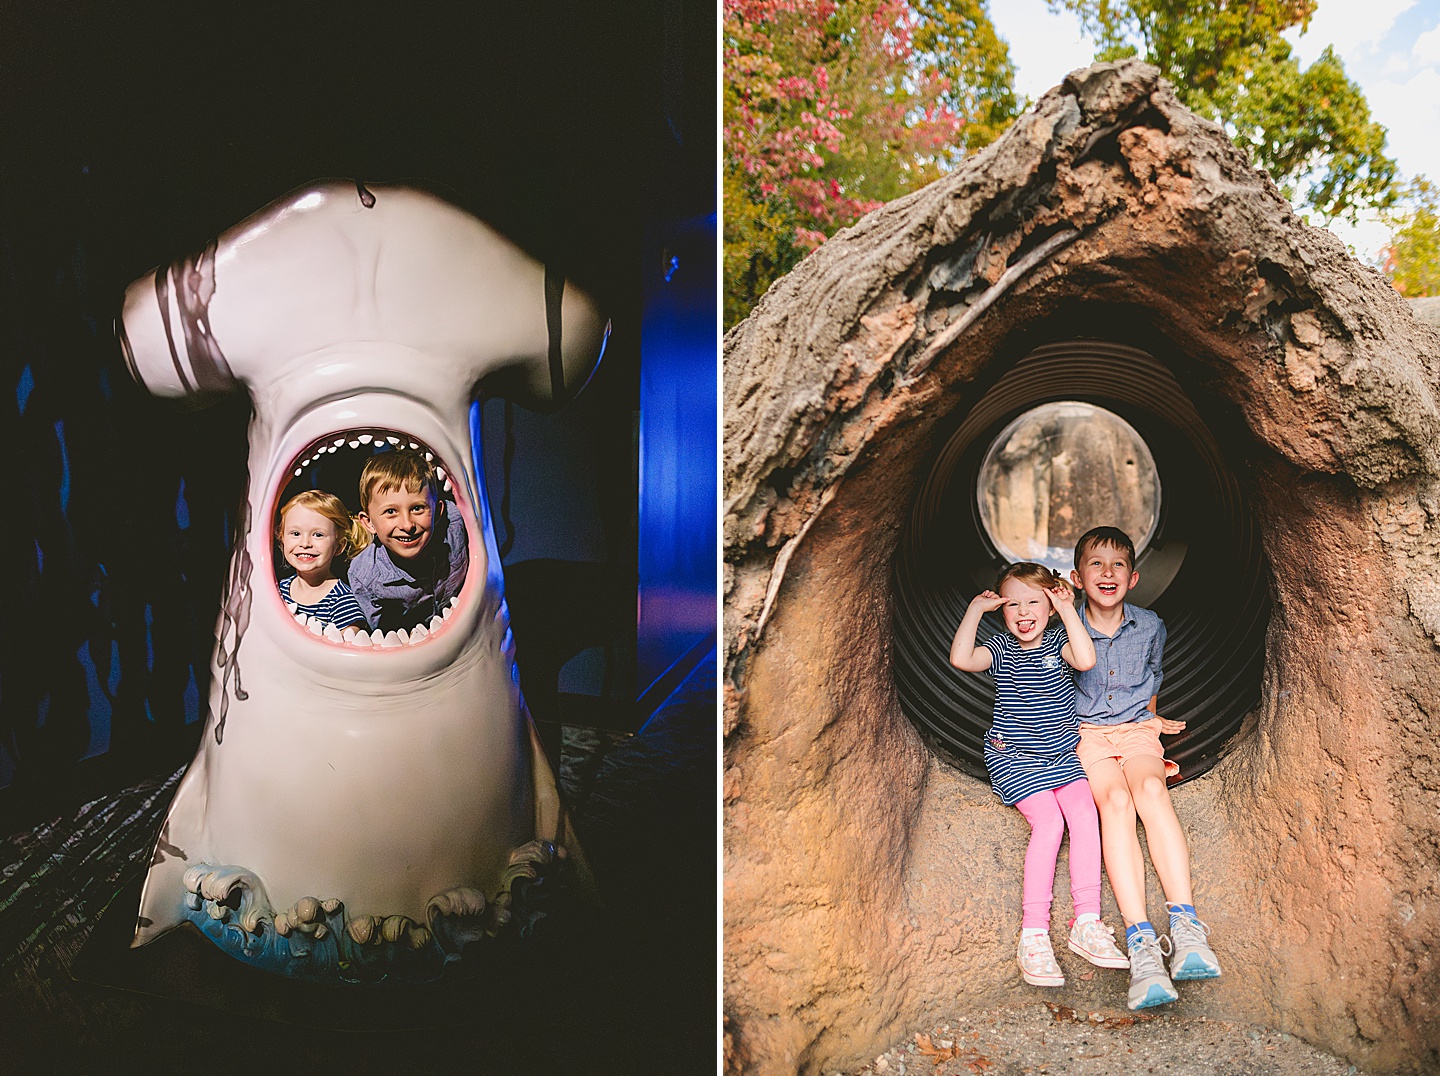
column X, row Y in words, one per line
column 1410, row 110
column 1352, row 26
column 1427, row 47
column 1045, row 46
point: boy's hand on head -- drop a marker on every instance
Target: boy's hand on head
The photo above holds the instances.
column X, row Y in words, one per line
column 987, row 601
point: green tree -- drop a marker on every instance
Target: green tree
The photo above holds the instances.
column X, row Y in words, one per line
column 833, row 107
column 1412, row 260
column 1311, row 128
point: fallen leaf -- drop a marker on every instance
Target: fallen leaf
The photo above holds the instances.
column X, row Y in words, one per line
column 927, row 1048
column 1087, row 975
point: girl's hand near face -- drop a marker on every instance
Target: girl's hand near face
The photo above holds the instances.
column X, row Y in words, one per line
column 964, row 654
column 987, row 601
column 1061, row 596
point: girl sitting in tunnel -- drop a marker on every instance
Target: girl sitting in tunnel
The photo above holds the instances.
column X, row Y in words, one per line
column 1030, row 755
column 314, row 529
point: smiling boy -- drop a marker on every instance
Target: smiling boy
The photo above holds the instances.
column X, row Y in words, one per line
column 418, row 559
column 1125, row 763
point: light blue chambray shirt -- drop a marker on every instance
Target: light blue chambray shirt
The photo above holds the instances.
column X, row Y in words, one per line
column 1126, row 672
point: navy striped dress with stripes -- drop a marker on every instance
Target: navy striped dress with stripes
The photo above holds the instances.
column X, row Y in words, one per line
column 1030, row 745
column 338, row 607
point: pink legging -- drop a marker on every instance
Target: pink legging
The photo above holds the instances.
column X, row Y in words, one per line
column 1047, row 813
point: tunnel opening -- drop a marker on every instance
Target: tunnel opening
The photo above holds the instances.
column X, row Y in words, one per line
column 1029, row 450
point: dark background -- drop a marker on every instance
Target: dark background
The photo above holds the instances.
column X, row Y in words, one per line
column 130, row 134
column 133, row 133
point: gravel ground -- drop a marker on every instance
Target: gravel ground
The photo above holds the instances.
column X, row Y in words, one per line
column 1053, row 1038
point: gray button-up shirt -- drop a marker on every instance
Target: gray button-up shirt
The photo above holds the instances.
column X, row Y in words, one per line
column 1126, row 672
column 402, row 594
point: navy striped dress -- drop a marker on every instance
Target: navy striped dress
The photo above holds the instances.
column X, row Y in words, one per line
column 1030, row 745
column 338, row 607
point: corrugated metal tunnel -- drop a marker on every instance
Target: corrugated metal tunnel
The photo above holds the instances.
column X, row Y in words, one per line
column 1202, row 568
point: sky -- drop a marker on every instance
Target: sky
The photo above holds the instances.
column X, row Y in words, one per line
column 1390, row 47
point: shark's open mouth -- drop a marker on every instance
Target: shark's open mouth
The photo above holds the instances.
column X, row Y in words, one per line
column 333, row 464
column 362, row 444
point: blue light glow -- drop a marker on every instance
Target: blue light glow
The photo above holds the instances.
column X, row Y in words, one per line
column 98, row 711
column 678, row 464
column 192, row 700
column 64, row 468
column 24, row 388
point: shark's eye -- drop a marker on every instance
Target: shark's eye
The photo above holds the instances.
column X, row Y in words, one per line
column 322, row 497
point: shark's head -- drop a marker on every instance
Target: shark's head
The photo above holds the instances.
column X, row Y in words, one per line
column 359, row 318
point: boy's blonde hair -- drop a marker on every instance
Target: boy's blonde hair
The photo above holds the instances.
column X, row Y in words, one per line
column 350, row 534
column 402, row 469
column 1033, row 575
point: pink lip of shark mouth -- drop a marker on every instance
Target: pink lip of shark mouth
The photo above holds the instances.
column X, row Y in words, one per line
column 367, row 441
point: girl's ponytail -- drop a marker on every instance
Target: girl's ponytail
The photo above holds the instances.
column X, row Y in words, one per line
column 357, row 537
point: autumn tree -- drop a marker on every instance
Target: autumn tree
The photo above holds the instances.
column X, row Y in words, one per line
column 1311, row 129
column 833, row 107
column 1412, row 260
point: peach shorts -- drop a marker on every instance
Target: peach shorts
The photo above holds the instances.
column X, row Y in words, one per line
column 1122, row 743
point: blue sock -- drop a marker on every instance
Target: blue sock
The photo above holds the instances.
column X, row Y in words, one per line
column 1178, row 911
column 1134, row 933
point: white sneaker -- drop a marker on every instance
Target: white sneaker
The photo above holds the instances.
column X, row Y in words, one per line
column 1037, row 961
column 1095, row 941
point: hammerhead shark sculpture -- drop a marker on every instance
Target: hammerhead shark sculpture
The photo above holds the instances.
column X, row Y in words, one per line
column 361, row 806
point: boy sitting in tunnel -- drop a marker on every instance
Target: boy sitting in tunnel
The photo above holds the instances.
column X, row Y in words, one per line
column 417, row 562
column 1125, row 763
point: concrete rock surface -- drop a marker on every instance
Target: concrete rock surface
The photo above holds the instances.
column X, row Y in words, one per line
column 870, row 889
column 1053, row 1037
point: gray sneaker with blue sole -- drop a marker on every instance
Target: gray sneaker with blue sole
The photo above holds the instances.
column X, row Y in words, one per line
column 1191, row 955
column 1149, row 985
